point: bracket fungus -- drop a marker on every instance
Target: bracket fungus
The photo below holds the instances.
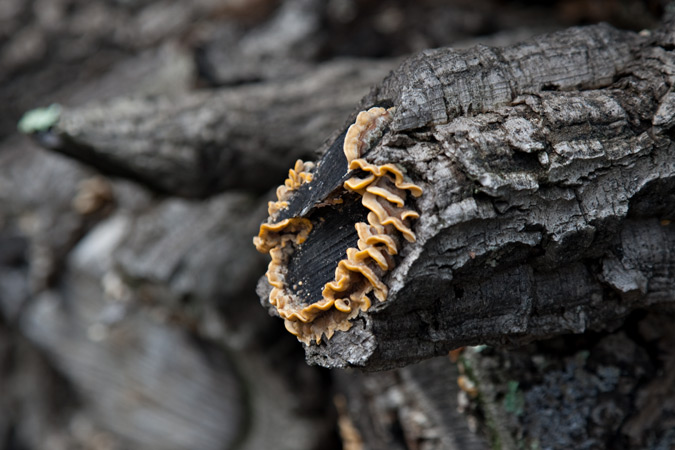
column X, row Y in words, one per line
column 334, row 232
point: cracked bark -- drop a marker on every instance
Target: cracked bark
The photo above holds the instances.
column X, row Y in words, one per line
column 181, row 260
column 548, row 176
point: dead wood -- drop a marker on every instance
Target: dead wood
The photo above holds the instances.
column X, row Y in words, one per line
column 548, row 174
column 199, row 144
column 127, row 318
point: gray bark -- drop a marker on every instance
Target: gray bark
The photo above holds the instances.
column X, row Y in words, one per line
column 196, row 145
column 548, row 177
column 127, row 315
column 605, row 391
column 148, row 331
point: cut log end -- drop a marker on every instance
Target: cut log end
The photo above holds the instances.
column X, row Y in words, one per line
column 334, row 232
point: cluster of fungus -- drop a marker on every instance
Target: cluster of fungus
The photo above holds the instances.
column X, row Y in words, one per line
column 383, row 191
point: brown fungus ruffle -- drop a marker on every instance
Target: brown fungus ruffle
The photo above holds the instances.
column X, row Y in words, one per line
column 383, row 191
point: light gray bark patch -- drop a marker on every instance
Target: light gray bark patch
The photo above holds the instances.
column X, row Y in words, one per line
column 465, row 82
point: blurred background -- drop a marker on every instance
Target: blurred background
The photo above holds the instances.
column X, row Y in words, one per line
column 128, row 312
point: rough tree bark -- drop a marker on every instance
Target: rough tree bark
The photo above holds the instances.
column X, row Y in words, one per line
column 200, row 144
column 133, row 310
column 548, row 171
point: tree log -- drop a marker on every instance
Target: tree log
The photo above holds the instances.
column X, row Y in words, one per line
column 547, row 172
column 200, row 144
column 128, row 319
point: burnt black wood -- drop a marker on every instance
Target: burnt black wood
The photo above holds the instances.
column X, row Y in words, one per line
column 313, row 263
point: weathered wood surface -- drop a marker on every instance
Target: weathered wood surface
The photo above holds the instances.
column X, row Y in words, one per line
column 121, row 325
column 548, row 176
column 438, row 85
column 199, row 144
column 414, row 407
column 154, row 328
column 610, row 390
column 119, row 302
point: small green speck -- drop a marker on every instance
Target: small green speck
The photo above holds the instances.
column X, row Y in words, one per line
column 582, row 356
column 514, row 401
column 39, row 119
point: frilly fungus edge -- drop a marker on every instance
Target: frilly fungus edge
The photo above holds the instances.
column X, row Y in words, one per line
column 383, row 191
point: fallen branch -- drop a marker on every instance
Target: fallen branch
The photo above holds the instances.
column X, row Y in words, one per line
column 200, row 144
column 547, row 173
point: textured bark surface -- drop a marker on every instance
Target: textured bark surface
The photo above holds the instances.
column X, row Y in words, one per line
column 548, row 177
column 611, row 390
column 201, row 144
column 128, row 317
